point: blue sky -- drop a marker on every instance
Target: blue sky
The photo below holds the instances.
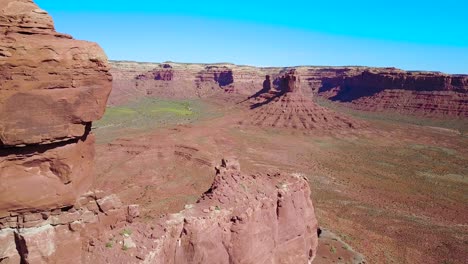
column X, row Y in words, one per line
column 410, row 34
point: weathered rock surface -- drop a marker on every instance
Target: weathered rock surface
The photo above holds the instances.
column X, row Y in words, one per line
column 59, row 235
column 51, row 88
column 45, row 176
column 259, row 218
column 245, row 219
column 240, row 219
column 431, row 94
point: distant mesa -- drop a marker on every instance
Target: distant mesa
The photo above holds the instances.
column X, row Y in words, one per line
column 289, row 108
column 417, row 93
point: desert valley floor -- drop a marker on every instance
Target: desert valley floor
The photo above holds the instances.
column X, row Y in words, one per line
column 394, row 191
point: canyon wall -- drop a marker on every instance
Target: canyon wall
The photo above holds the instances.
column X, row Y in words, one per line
column 430, row 94
column 423, row 93
column 179, row 81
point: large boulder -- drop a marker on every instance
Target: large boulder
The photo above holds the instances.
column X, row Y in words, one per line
column 51, row 86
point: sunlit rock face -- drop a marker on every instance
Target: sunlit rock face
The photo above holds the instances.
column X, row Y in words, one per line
column 51, row 88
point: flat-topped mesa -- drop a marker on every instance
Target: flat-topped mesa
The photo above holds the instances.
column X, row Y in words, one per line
column 221, row 75
column 51, row 88
column 163, row 73
column 430, row 94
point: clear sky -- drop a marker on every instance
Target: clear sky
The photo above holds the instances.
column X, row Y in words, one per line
column 408, row 34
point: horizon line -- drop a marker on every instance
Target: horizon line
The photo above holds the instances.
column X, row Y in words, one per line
column 285, row 67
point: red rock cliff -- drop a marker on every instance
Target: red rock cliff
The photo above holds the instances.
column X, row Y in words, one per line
column 258, row 218
column 419, row 93
column 51, row 88
column 430, row 94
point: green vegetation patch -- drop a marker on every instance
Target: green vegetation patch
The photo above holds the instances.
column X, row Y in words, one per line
column 145, row 115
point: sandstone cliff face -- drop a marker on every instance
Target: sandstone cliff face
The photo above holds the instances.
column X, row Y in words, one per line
column 372, row 89
column 241, row 219
column 420, row 93
column 256, row 219
column 51, row 88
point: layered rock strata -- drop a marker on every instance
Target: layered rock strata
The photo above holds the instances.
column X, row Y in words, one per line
column 172, row 80
column 431, row 94
column 419, row 93
column 51, row 88
column 61, row 235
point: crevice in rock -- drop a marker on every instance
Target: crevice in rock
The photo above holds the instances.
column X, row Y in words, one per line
column 21, row 248
column 34, row 149
column 66, row 208
column 278, row 205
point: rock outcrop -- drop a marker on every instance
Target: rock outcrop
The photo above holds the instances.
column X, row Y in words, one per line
column 257, row 218
column 245, row 219
column 431, row 94
column 58, row 235
column 290, row 108
column 289, row 82
column 51, row 88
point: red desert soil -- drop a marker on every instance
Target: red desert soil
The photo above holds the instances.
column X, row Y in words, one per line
column 397, row 193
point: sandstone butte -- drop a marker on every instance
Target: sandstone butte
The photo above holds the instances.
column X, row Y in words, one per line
column 51, row 89
column 418, row 93
column 290, row 108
